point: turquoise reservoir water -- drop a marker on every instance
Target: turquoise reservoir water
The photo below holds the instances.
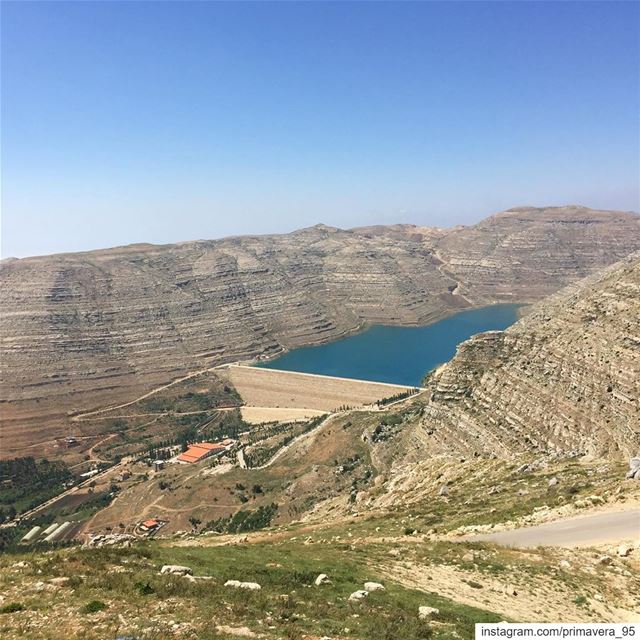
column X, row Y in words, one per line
column 401, row 355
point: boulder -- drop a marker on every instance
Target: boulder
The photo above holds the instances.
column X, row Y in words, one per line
column 251, row 586
column 444, row 490
column 358, row 595
column 553, row 481
column 605, row 560
column 624, row 550
column 510, row 590
column 373, row 586
column 110, row 540
column 232, row 583
column 62, row 581
column 634, row 463
column 176, row 569
column 424, row 612
column 323, row 578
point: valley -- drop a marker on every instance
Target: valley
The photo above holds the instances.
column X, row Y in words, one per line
column 279, row 357
column 89, row 330
column 526, row 431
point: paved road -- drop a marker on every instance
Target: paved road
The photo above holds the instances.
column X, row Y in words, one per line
column 601, row 528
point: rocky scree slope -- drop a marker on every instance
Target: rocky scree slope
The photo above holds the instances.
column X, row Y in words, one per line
column 566, row 378
column 86, row 330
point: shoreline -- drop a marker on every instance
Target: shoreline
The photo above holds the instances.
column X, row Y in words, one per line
column 262, row 362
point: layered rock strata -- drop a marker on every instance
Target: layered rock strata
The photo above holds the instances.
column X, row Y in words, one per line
column 81, row 331
column 564, row 379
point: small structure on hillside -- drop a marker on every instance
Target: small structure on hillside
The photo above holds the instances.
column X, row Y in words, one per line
column 150, row 525
column 57, row 532
column 201, row 451
column 31, row 535
column 149, row 528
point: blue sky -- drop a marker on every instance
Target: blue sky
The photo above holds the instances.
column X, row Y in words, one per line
column 165, row 121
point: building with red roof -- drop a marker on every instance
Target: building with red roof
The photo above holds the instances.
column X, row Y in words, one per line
column 200, row 451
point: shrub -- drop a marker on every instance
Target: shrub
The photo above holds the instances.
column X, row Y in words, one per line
column 12, row 607
column 244, row 520
column 144, row 588
column 93, row 607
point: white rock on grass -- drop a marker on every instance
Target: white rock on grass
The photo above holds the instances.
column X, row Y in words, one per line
column 323, row 578
column 427, row 612
column 252, row 586
column 373, row 586
column 197, row 578
column 624, row 550
column 358, row 595
column 176, row 569
column 62, row 581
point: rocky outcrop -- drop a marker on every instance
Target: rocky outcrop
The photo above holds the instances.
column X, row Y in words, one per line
column 177, row 569
column 81, row 331
column 566, row 378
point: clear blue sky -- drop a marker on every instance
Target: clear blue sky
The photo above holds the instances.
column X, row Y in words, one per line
column 165, row 121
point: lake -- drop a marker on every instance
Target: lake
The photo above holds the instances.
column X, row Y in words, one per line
column 401, row 355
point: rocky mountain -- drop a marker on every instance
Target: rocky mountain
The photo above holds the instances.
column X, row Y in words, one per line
column 86, row 330
column 564, row 378
column 556, row 393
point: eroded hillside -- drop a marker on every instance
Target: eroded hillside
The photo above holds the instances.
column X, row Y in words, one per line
column 82, row 331
column 393, row 494
column 562, row 383
column 566, row 378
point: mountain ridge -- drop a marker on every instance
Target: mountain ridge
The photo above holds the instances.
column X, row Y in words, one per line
column 80, row 331
column 564, row 379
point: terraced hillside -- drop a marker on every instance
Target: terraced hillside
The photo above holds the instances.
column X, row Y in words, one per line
column 564, row 378
column 83, row 331
column 558, row 386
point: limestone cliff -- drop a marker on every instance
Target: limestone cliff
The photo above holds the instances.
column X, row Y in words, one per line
column 566, row 378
